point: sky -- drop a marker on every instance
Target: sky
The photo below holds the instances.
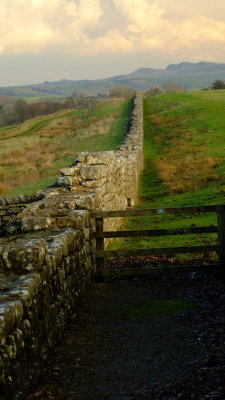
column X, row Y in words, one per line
column 92, row 39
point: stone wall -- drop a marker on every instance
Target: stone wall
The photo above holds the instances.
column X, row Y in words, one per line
column 46, row 256
column 12, row 205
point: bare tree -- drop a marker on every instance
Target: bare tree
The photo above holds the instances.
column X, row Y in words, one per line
column 172, row 87
column 122, row 91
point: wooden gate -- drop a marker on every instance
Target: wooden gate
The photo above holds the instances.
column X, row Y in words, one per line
column 100, row 235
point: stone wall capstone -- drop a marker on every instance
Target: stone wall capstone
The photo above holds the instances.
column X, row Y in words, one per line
column 46, row 255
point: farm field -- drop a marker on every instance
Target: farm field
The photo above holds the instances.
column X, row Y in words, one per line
column 32, row 153
column 184, row 153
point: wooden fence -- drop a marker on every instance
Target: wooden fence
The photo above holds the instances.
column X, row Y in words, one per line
column 100, row 234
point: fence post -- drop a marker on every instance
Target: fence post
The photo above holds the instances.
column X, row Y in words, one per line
column 221, row 235
column 99, row 245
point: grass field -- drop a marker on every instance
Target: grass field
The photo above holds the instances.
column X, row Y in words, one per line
column 32, row 153
column 184, row 153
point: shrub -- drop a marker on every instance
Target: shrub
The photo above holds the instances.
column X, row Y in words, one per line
column 122, row 91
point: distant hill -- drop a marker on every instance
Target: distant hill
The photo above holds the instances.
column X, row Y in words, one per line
column 189, row 75
column 186, row 67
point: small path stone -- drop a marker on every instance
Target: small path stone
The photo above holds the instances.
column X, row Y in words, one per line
column 115, row 349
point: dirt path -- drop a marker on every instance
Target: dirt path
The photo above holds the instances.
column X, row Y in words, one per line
column 123, row 343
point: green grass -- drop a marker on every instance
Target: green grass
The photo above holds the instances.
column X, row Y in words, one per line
column 204, row 114
column 75, row 137
column 155, row 308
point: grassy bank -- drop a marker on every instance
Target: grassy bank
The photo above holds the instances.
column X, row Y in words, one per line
column 32, row 153
column 184, row 164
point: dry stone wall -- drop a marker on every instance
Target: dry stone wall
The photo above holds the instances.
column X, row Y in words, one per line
column 46, row 255
column 11, row 206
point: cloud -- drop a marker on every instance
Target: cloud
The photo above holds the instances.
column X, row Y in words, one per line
column 31, row 26
column 173, row 26
column 91, row 27
column 141, row 14
column 200, row 30
column 112, row 42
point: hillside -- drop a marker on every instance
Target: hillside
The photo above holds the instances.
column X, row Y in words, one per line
column 184, row 164
column 189, row 75
column 32, row 153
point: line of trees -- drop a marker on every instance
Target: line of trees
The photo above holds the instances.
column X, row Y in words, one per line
column 17, row 111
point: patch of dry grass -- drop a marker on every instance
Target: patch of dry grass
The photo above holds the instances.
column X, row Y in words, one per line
column 31, row 155
column 3, row 177
column 4, row 188
column 59, row 128
column 185, row 173
column 25, row 164
column 27, row 173
column 100, row 127
column 181, row 167
column 63, row 127
column 18, row 129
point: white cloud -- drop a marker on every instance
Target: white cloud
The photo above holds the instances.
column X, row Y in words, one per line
column 83, row 27
column 34, row 25
column 141, row 14
column 199, row 30
column 112, row 42
column 172, row 26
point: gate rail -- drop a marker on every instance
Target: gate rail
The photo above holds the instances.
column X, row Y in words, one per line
column 100, row 234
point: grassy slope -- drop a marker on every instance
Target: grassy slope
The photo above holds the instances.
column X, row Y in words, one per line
column 205, row 121
column 52, row 141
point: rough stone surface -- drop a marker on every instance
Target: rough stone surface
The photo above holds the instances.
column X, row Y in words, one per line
column 13, row 205
column 46, row 256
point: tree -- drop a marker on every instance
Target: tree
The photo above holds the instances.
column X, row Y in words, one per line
column 7, row 115
column 122, row 91
column 153, row 92
column 20, row 108
column 172, row 87
column 69, row 103
column 218, row 84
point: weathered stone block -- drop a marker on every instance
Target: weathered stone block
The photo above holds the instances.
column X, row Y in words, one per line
column 73, row 171
column 2, row 201
column 87, row 202
column 97, row 183
column 67, row 181
column 100, row 158
column 6, row 218
column 67, row 221
column 24, row 255
column 68, row 204
column 60, row 244
column 16, row 210
column 92, row 172
column 37, row 223
column 81, row 157
column 11, row 313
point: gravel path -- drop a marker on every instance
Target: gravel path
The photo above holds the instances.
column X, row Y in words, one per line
column 115, row 350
